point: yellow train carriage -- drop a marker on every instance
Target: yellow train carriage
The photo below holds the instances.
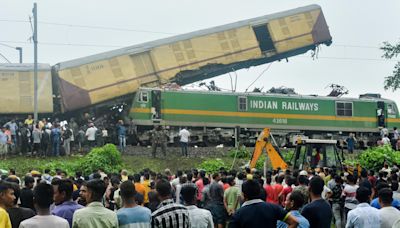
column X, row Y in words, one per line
column 190, row 57
column 17, row 90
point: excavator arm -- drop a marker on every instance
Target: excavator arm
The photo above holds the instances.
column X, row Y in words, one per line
column 264, row 143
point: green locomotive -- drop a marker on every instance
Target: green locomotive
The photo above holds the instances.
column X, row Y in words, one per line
column 316, row 116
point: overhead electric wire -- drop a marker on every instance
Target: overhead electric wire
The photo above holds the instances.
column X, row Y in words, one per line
column 92, row 27
column 156, row 32
column 5, row 58
column 6, row 45
column 259, row 76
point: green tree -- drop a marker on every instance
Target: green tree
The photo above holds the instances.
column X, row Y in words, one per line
column 392, row 51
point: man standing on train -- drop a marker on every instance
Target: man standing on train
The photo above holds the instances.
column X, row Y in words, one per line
column 184, row 134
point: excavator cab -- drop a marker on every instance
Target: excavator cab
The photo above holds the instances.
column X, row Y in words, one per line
column 312, row 153
column 309, row 153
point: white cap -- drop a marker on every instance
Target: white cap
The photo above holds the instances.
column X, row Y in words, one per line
column 303, row 173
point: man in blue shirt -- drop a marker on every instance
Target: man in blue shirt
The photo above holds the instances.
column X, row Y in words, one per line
column 132, row 215
column 363, row 215
column 56, row 139
column 255, row 212
column 121, row 131
column 318, row 212
column 375, row 202
column 65, row 207
column 295, row 201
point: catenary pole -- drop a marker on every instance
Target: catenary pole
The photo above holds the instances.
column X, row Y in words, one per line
column 19, row 49
column 35, row 77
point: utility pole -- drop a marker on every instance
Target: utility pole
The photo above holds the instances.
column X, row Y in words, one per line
column 35, row 77
column 19, row 49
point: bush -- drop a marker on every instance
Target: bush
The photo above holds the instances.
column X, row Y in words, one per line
column 212, row 165
column 69, row 167
column 107, row 158
column 287, row 155
column 241, row 152
column 375, row 157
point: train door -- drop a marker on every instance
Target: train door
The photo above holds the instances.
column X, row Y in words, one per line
column 264, row 38
column 156, row 105
column 380, row 113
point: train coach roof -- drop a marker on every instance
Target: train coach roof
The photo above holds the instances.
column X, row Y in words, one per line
column 148, row 45
column 315, row 97
column 23, row 67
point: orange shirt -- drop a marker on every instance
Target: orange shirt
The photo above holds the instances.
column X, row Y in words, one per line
column 140, row 188
column 146, row 185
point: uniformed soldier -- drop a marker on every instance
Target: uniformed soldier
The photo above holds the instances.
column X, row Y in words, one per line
column 159, row 137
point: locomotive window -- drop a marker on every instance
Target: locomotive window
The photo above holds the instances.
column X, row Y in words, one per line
column 344, row 109
column 391, row 109
column 242, row 103
column 143, row 97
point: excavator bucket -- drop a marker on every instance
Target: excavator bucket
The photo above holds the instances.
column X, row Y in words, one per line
column 264, row 143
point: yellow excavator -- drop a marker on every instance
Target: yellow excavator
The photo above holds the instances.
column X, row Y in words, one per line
column 263, row 142
column 309, row 153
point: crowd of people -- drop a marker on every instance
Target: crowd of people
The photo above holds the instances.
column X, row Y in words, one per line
column 55, row 138
column 320, row 198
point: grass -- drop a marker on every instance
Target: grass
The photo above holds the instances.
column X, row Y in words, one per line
column 133, row 164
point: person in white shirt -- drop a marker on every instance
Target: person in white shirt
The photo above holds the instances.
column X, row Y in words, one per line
column 388, row 213
column 43, row 198
column 386, row 140
column 199, row 218
column 184, row 134
column 91, row 134
column 363, row 215
column 384, row 131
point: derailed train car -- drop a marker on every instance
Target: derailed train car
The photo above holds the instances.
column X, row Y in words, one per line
column 111, row 78
column 17, row 89
column 318, row 116
column 190, row 57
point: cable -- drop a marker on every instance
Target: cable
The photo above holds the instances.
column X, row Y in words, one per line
column 156, row 32
column 63, row 44
column 259, row 76
column 92, row 27
column 5, row 58
column 6, row 45
column 117, row 46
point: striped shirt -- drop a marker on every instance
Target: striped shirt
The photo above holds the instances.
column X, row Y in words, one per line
column 170, row 215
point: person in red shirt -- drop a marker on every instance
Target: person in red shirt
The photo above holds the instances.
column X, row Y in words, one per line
column 200, row 185
column 372, row 178
column 278, row 189
column 269, row 189
column 286, row 190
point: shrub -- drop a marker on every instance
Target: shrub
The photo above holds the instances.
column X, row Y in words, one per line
column 375, row 157
column 287, row 155
column 107, row 158
column 212, row 165
column 241, row 152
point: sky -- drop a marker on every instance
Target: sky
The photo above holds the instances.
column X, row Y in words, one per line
column 70, row 29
